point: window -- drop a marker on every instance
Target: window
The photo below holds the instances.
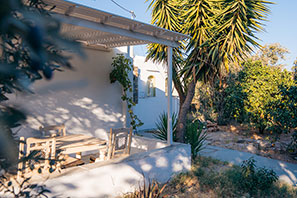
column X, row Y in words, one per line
column 151, row 88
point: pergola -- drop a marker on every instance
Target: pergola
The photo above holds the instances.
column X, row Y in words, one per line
column 97, row 28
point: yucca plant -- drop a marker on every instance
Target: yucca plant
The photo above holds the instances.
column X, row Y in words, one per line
column 161, row 126
column 196, row 137
column 153, row 190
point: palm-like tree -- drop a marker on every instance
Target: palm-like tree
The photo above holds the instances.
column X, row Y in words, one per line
column 166, row 14
column 221, row 30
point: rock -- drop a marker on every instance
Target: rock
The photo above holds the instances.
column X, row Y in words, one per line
column 211, row 127
column 251, row 148
column 240, row 141
column 263, row 145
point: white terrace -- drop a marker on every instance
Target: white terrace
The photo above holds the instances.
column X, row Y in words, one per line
column 89, row 106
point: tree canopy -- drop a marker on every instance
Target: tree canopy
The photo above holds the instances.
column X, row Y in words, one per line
column 222, row 31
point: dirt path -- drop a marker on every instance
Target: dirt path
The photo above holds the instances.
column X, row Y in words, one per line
column 243, row 139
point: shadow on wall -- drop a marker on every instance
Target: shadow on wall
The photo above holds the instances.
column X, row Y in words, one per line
column 80, row 114
column 83, row 99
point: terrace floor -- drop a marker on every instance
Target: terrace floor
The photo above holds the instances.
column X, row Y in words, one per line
column 150, row 159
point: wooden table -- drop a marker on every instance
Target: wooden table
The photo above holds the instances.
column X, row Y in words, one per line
column 65, row 145
column 79, row 143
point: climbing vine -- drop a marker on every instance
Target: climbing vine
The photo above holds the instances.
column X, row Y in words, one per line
column 120, row 72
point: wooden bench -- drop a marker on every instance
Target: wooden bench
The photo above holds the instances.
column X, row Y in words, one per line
column 68, row 144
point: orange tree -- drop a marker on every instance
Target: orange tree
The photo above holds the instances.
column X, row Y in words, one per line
column 255, row 93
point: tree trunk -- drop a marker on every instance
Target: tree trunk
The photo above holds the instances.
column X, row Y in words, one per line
column 178, row 86
column 184, row 110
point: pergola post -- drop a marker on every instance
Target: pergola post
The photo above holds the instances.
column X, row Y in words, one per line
column 169, row 88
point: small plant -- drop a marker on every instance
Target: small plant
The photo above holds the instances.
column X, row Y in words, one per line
column 254, row 179
column 23, row 188
column 196, row 137
column 152, row 190
column 161, row 126
column 121, row 68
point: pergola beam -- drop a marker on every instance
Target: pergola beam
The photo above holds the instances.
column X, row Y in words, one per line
column 114, row 30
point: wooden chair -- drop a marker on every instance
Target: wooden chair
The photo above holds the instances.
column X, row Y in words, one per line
column 59, row 130
column 46, row 149
column 119, row 142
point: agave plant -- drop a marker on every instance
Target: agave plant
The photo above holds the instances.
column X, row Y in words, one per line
column 152, row 190
column 161, row 126
column 196, row 137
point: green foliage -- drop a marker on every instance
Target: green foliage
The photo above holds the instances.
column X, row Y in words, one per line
column 152, row 190
column 120, row 72
column 161, row 126
column 204, row 101
column 283, row 112
column 283, row 115
column 214, row 178
column 254, row 179
column 196, row 137
column 31, row 45
column 255, row 88
column 234, row 106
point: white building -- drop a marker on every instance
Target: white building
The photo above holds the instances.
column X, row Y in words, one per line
column 152, row 92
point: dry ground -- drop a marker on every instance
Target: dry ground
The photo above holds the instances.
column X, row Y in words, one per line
column 211, row 178
column 245, row 139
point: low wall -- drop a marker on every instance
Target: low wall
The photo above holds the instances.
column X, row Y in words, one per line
column 147, row 144
column 118, row 177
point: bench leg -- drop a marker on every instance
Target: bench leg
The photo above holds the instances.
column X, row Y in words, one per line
column 78, row 155
column 102, row 155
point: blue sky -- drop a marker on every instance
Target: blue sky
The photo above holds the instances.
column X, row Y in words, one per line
column 280, row 28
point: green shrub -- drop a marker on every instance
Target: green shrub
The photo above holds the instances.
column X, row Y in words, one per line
column 254, row 179
column 283, row 112
column 161, row 126
column 234, row 105
column 257, row 86
column 196, row 137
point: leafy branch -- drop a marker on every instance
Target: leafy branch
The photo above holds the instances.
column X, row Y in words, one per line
column 121, row 68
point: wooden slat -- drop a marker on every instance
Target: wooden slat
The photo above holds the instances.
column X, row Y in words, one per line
column 70, row 150
column 21, row 155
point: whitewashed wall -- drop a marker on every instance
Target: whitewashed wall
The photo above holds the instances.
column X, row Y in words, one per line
column 83, row 99
column 148, row 109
